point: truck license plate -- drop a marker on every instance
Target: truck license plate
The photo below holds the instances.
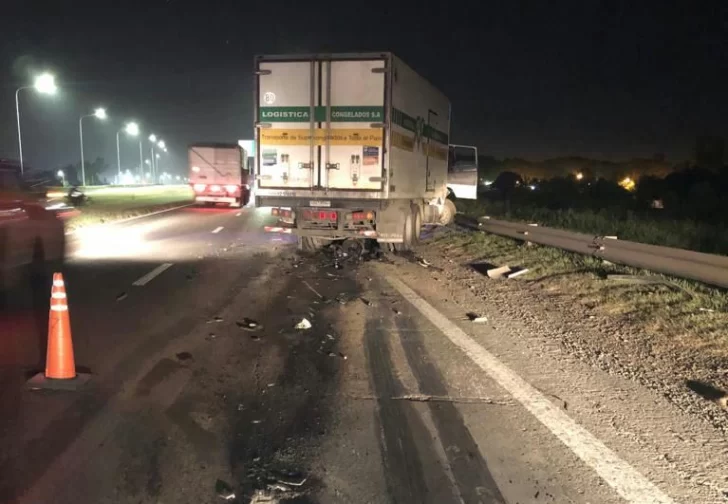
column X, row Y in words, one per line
column 320, row 203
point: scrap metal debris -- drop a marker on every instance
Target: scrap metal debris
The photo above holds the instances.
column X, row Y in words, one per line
column 517, row 273
column 312, row 289
column 474, row 317
column 224, row 491
column 303, row 324
column 497, row 273
column 423, row 262
column 248, row 324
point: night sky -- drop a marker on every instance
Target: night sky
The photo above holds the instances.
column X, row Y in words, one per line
column 535, row 79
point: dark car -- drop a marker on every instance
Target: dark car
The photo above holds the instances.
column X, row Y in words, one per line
column 32, row 239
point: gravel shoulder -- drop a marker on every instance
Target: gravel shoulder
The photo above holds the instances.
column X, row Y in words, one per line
column 616, row 374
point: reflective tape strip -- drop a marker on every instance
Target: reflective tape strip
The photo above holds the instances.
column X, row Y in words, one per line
column 59, row 308
column 58, row 295
column 58, row 283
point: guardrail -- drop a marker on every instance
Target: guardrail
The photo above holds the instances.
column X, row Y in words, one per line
column 707, row 268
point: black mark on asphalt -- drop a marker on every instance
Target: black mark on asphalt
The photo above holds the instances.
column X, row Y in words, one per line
column 405, row 441
column 160, row 372
column 469, row 468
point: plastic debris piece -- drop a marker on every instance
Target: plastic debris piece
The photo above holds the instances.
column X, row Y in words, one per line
column 475, row 318
column 215, row 319
column 396, row 311
column 366, row 301
column 303, row 324
column 248, row 324
column 224, row 491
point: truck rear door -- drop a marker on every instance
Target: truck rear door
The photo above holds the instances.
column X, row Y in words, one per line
column 320, row 124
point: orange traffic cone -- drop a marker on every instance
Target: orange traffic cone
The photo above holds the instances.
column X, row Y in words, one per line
column 60, row 371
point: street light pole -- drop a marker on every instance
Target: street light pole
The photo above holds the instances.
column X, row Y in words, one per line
column 83, row 164
column 118, row 158
column 99, row 113
column 141, row 162
column 44, row 83
column 17, row 117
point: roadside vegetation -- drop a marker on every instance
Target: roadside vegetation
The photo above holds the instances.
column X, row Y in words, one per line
column 683, row 210
column 110, row 204
column 673, row 316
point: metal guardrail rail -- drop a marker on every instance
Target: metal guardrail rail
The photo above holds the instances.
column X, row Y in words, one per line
column 707, row 268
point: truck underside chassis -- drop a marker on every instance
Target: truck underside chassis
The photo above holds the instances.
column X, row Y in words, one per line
column 399, row 225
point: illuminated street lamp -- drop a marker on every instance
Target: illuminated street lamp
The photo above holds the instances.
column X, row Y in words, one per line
column 99, row 113
column 45, row 83
column 579, row 176
column 131, row 129
column 153, row 141
column 161, row 145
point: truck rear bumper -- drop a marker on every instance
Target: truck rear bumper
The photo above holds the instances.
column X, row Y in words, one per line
column 216, row 199
column 332, row 234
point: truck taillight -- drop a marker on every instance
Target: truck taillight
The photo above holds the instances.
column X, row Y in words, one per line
column 362, row 216
column 232, row 189
column 215, row 188
column 199, row 187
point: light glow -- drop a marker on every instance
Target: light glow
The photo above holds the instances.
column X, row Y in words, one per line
column 45, row 83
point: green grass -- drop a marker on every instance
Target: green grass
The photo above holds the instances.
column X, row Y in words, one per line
column 685, row 234
column 686, row 315
column 109, row 204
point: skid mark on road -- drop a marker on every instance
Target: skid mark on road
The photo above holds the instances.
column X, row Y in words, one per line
column 402, row 428
column 622, row 477
column 152, row 274
column 468, row 466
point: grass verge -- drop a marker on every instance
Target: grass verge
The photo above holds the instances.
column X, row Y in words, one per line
column 684, row 319
column 111, row 205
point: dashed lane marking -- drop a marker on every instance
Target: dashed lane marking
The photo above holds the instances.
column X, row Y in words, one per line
column 218, row 229
column 152, row 274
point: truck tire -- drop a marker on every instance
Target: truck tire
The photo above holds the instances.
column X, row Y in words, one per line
column 447, row 216
column 416, row 224
column 406, row 235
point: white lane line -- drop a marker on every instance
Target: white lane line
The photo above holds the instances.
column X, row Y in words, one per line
column 152, row 274
column 238, row 214
column 120, row 221
column 622, row 477
column 218, row 229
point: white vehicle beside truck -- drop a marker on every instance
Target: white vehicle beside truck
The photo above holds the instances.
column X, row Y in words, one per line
column 353, row 146
column 219, row 174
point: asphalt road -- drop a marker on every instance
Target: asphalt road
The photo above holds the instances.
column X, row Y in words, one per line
column 385, row 398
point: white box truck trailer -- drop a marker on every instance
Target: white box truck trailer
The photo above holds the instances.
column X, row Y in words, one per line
column 219, row 174
column 355, row 146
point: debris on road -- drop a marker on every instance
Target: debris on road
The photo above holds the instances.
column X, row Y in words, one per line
column 646, row 280
column 366, row 301
column 475, row 318
column 341, row 299
column 312, row 289
column 517, row 273
column 184, row 356
column 303, row 324
column 215, row 319
column 339, row 354
column 121, row 296
column 396, row 311
column 423, row 262
column 248, row 324
column 211, row 336
column 498, row 273
column 224, row 491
